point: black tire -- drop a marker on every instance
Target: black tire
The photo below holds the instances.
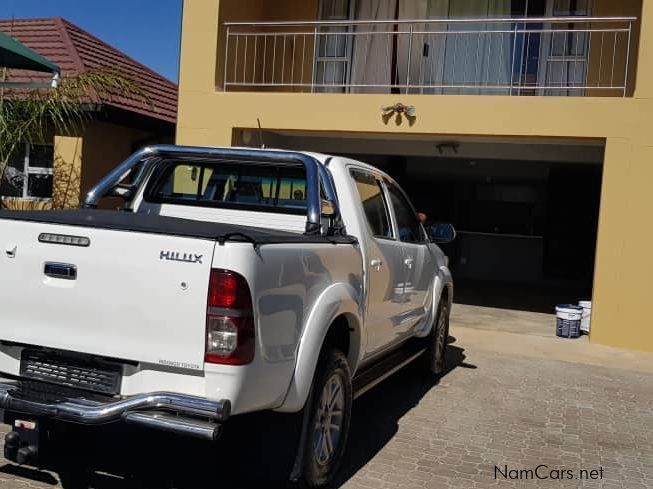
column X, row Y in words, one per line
column 318, row 470
column 434, row 359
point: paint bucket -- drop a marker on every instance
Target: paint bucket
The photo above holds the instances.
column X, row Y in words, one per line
column 568, row 318
column 587, row 316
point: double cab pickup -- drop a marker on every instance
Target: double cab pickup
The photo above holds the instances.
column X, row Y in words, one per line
column 230, row 281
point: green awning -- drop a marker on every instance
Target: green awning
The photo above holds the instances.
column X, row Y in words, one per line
column 16, row 55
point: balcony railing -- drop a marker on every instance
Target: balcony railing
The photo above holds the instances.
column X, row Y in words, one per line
column 564, row 56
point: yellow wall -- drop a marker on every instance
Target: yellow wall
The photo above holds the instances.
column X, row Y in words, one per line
column 287, row 53
column 67, row 171
column 105, row 146
column 208, row 116
column 244, row 10
column 601, row 72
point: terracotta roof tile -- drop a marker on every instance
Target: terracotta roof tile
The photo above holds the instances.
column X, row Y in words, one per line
column 74, row 50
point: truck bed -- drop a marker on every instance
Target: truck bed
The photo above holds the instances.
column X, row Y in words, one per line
column 136, row 291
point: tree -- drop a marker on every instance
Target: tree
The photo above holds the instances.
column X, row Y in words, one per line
column 34, row 115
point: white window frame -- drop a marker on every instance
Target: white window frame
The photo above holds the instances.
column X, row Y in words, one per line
column 345, row 60
column 33, row 170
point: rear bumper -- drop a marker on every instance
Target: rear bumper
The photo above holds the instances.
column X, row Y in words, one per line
column 165, row 411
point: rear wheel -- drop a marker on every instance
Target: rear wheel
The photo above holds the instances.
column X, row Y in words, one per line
column 434, row 358
column 328, row 422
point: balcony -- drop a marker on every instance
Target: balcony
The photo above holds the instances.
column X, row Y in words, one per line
column 543, row 56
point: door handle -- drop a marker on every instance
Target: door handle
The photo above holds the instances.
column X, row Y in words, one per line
column 60, row 270
column 376, row 263
column 409, row 262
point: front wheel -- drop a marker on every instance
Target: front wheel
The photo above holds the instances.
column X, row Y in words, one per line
column 328, row 423
column 434, row 357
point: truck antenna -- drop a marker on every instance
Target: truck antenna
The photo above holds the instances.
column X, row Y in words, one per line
column 260, row 133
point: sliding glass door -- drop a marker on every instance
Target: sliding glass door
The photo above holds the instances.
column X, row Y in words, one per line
column 333, row 48
column 477, row 56
column 475, row 62
column 435, row 57
column 564, row 55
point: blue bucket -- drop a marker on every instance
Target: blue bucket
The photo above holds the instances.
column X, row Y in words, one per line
column 568, row 319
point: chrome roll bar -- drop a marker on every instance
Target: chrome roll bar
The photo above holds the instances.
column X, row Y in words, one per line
column 317, row 178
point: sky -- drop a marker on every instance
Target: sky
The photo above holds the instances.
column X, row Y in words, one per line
column 147, row 30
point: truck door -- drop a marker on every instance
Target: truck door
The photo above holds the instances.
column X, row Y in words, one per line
column 419, row 266
column 384, row 267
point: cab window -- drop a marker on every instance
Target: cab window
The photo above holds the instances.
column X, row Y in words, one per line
column 260, row 187
column 373, row 202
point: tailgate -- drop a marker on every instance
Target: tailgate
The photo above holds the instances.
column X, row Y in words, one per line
column 128, row 295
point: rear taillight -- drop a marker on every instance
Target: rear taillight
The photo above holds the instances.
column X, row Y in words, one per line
column 229, row 320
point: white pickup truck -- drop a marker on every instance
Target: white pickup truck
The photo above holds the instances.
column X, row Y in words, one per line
column 231, row 281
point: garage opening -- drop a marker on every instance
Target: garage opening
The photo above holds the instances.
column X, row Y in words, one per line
column 526, row 210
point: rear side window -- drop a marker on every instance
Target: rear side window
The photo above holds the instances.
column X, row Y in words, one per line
column 373, row 202
column 243, row 185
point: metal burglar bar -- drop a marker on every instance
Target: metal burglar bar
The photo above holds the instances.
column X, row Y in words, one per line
column 562, row 56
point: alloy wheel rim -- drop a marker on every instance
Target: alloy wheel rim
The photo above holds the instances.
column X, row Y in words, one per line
column 328, row 420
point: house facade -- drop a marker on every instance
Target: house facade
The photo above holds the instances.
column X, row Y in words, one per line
column 528, row 124
column 57, row 172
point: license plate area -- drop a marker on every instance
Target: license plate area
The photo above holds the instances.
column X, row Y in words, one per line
column 70, row 370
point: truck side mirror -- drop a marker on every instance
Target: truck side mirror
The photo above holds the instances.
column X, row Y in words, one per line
column 441, row 233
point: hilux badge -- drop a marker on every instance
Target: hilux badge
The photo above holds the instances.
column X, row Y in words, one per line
column 183, row 257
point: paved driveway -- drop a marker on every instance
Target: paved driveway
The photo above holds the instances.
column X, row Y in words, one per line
column 513, row 407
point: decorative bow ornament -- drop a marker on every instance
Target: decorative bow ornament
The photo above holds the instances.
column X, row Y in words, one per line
column 398, row 110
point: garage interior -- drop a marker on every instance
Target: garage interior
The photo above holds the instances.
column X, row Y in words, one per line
column 526, row 210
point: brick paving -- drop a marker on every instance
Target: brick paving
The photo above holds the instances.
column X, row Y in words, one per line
column 502, row 410
column 491, row 409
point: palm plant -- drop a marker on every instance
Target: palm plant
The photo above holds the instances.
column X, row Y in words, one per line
column 32, row 116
